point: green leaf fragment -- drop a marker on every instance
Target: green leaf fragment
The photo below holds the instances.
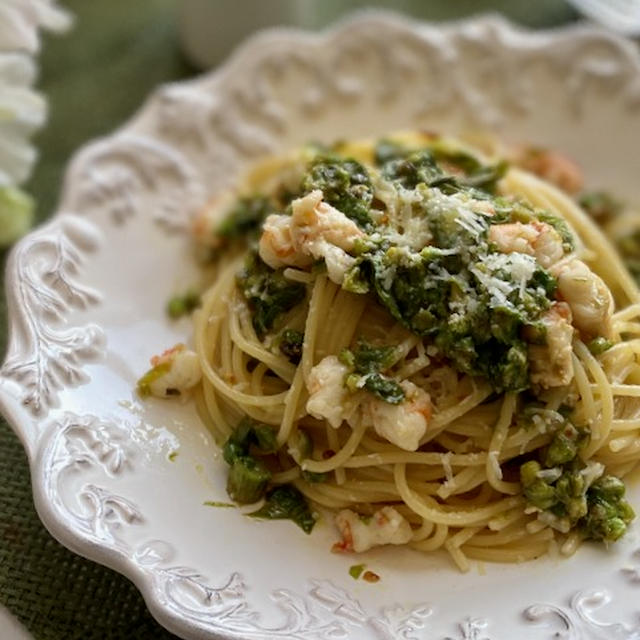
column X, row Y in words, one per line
column 246, row 434
column 287, row 503
column 367, row 361
column 183, row 304
column 268, row 293
column 355, row 570
column 383, row 387
column 248, row 479
column 245, row 217
column 345, row 185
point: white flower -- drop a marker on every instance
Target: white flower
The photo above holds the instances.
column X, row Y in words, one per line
column 21, row 20
column 22, row 109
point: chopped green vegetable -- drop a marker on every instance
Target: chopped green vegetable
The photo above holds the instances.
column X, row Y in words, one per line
column 345, row 185
column 564, row 446
column 184, row 304
column 412, row 169
column 248, row 479
column 144, row 383
column 599, row 345
column 16, row 214
column 222, row 505
column 608, row 514
column 367, row 358
column 529, row 472
column 367, row 361
column 291, row 344
column 355, row 570
column 266, row 438
column 172, row 456
column 574, row 493
column 237, row 445
column 246, row 434
column 268, row 293
column 540, row 494
column 409, row 168
column 287, row 503
column 246, row 216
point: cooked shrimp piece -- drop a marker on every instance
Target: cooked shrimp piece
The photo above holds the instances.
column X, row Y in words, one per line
column 173, row 372
column 537, row 239
column 551, row 363
column 401, row 424
column 313, row 220
column 277, row 247
column 588, row 296
column 553, row 166
column 328, row 397
column 315, row 230
column 358, row 534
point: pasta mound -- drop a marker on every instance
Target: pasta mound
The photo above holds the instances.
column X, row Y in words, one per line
column 438, row 347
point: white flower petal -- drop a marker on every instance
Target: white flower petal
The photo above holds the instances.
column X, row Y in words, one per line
column 17, row 70
column 20, row 21
column 22, row 110
column 18, row 32
column 16, row 158
column 51, row 16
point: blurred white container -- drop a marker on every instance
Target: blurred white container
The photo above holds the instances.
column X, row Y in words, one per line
column 209, row 29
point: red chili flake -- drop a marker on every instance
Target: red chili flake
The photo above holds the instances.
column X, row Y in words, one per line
column 369, row 576
column 328, row 453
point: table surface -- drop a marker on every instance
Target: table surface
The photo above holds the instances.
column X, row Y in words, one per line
column 95, row 78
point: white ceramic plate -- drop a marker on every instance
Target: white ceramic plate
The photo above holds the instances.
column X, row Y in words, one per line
column 87, row 295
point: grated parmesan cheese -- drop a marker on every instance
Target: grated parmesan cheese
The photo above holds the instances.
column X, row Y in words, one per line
column 519, row 266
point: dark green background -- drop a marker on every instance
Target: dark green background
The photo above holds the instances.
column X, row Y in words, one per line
column 95, row 78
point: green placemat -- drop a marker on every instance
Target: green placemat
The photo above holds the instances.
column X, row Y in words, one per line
column 95, row 77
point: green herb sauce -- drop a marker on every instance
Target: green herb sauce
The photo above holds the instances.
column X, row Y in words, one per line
column 268, row 293
column 366, row 363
